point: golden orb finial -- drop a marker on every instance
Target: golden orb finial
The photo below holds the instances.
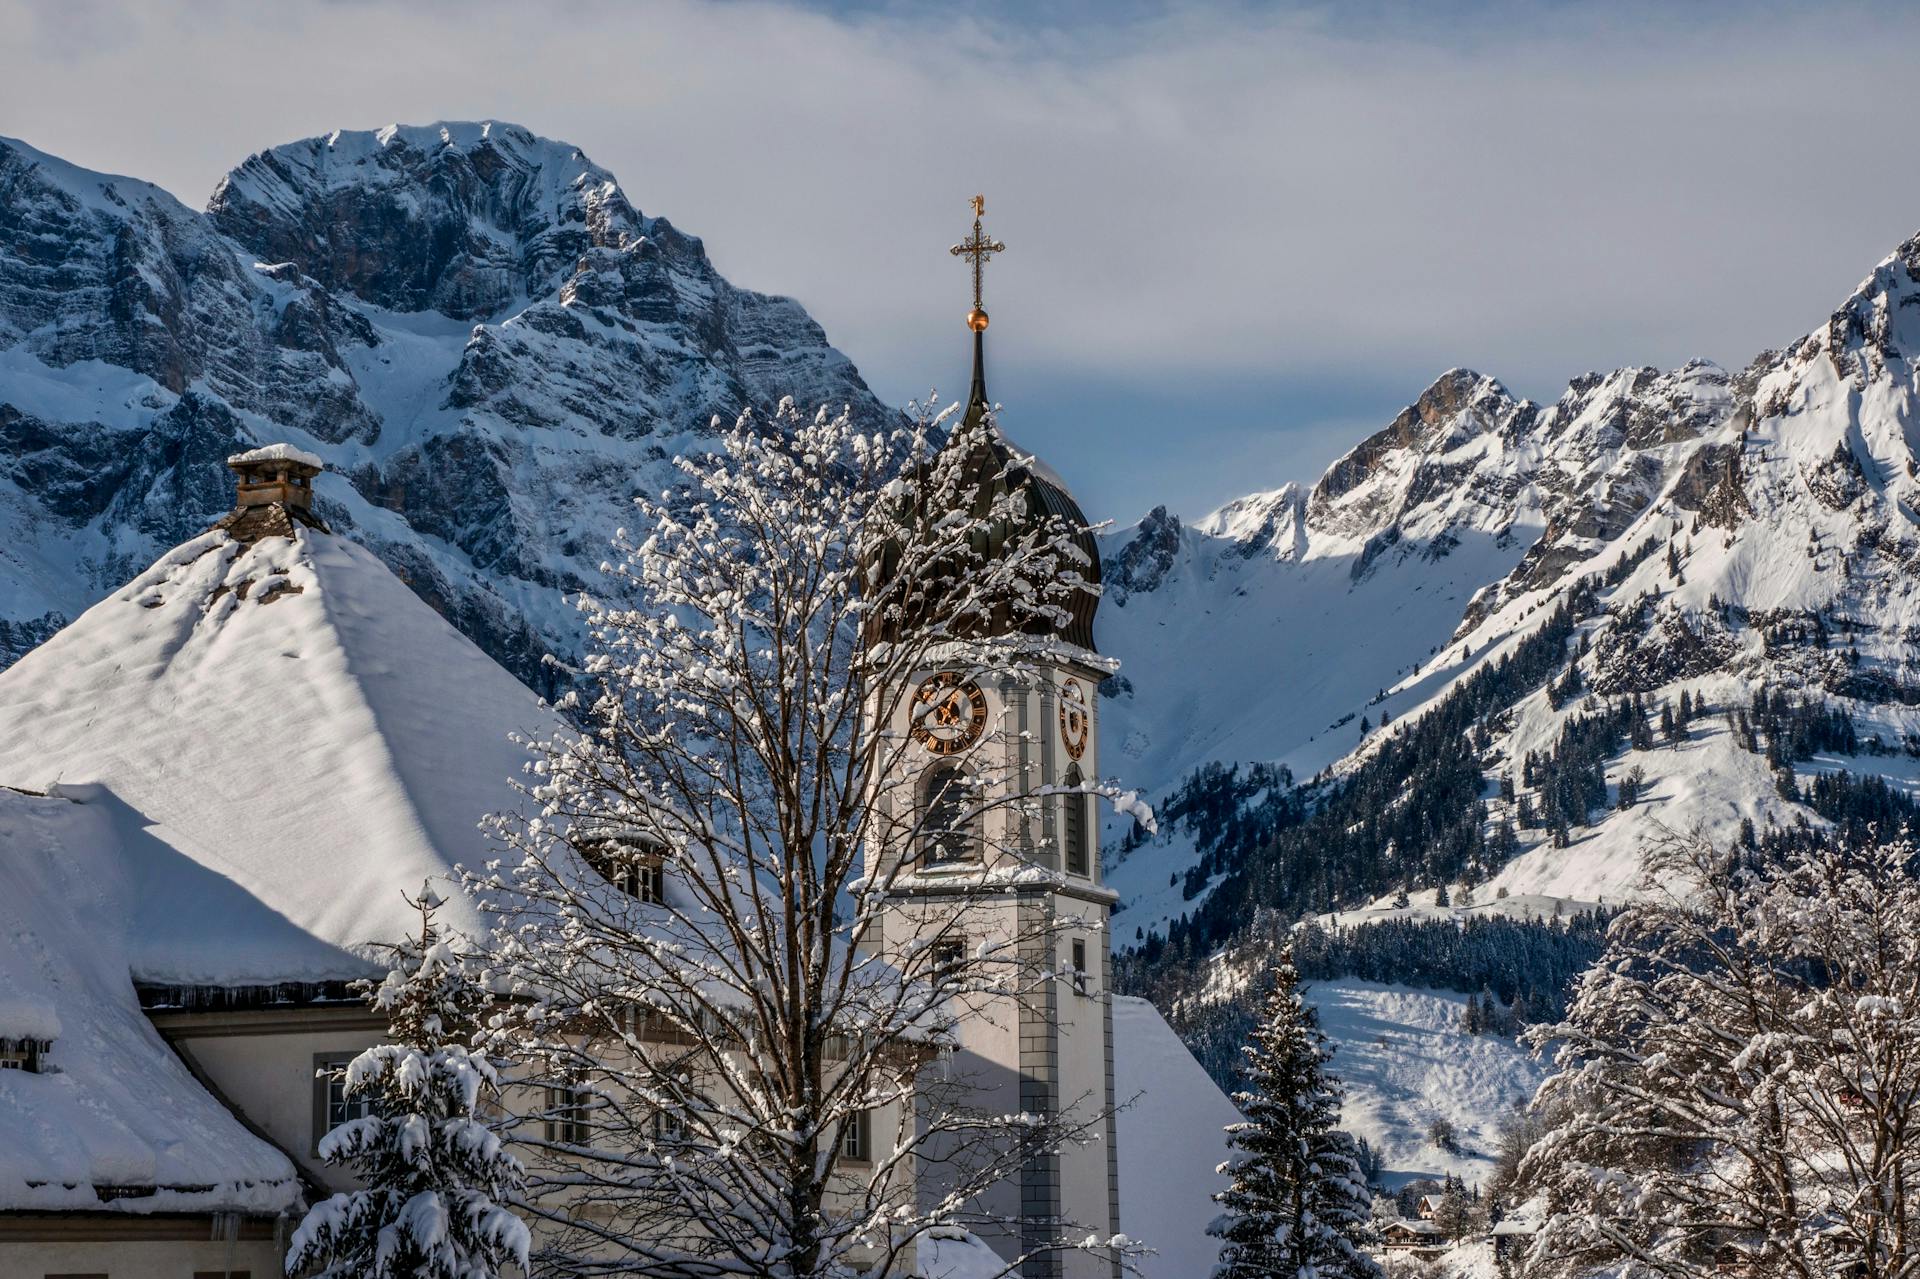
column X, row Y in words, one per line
column 977, row 320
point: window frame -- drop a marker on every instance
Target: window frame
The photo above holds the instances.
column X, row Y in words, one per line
column 323, row 1084
column 943, row 966
column 1075, row 824
column 941, row 847
column 565, row 1122
column 1077, row 952
column 632, row 864
column 856, row 1144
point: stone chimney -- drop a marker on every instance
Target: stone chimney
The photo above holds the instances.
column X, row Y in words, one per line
column 275, row 493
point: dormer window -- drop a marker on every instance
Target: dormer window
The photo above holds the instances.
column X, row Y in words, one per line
column 635, row 865
column 26, row 1055
column 644, row 881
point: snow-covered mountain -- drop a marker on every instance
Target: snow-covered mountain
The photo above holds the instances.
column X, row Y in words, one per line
column 1324, row 609
column 490, row 346
column 1524, row 596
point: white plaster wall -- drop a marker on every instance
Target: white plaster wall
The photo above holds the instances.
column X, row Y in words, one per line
column 140, row 1259
column 269, row 1079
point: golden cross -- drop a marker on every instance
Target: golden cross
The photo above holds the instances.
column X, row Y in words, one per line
column 978, row 247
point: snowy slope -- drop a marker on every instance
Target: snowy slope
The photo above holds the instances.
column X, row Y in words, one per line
column 292, row 738
column 112, row 1106
column 1406, row 1063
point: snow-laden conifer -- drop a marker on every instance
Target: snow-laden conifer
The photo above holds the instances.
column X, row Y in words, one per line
column 1297, row 1206
column 437, row 1179
column 1739, row 1076
column 737, row 1071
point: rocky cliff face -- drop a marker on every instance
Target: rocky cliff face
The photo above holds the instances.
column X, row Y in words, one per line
column 492, row 348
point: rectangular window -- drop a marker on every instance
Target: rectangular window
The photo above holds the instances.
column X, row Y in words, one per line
column 668, row 1126
column 949, row 957
column 645, row 881
column 1080, row 965
column 331, row 1105
column 567, row 1109
column 223, row 1274
column 858, row 1145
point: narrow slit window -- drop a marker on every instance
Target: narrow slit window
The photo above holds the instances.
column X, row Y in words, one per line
column 1074, row 825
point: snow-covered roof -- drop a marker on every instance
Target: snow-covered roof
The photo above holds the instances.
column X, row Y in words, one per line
column 277, row 453
column 290, row 738
column 1172, row 1134
column 112, row 1108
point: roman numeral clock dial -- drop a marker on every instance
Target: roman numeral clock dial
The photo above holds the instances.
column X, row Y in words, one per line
column 949, row 713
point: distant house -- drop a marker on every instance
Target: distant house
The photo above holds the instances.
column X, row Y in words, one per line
column 1733, row 1259
column 1420, row 1238
column 1509, row 1237
column 1428, row 1207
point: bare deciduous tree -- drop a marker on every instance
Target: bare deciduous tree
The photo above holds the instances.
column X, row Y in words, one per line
column 738, row 1069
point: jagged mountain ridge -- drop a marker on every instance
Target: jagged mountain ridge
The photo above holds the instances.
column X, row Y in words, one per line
column 1742, row 531
column 490, row 346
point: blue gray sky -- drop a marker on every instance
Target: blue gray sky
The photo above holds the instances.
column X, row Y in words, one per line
column 1241, row 236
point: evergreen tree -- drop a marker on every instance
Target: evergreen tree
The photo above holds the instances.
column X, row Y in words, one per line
column 1455, row 1214
column 435, row 1177
column 1297, row 1206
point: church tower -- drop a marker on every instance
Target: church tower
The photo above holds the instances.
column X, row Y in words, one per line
column 1024, row 876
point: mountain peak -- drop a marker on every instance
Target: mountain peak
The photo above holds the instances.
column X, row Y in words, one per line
column 460, row 217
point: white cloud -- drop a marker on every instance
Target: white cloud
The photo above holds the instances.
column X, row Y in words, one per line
column 1249, row 194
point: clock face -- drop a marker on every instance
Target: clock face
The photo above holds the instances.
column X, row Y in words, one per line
column 1075, row 722
column 949, row 713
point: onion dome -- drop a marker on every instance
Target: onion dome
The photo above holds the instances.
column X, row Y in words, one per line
column 993, row 467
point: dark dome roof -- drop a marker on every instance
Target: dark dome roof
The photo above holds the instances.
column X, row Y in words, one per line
column 997, row 467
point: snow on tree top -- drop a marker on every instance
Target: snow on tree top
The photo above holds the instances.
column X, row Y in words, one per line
column 277, row 453
column 292, row 736
column 111, row 1106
